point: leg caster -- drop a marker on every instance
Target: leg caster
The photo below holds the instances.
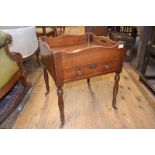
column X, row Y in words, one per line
column 61, row 105
column 115, row 90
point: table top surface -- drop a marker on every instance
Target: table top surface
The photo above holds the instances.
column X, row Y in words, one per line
column 75, row 48
column 73, row 44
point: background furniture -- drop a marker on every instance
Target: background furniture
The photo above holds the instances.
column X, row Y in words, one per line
column 145, row 79
column 69, row 58
column 97, row 30
column 127, row 34
column 60, row 30
column 46, row 31
column 12, row 77
column 53, row 31
column 24, row 39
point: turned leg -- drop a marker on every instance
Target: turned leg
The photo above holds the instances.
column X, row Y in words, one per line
column 88, row 81
column 61, row 105
column 24, row 79
column 115, row 90
column 46, row 80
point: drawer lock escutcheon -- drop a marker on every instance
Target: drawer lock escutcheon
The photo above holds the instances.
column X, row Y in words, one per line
column 92, row 66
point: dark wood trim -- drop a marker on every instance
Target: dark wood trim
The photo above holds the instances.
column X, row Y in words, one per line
column 147, row 84
column 149, row 77
column 144, row 37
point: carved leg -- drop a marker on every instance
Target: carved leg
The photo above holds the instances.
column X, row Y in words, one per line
column 115, row 90
column 61, row 105
column 46, row 80
column 24, row 79
column 24, row 76
column 88, row 81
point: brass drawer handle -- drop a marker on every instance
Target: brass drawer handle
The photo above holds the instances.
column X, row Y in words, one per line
column 92, row 66
column 107, row 67
column 79, row 73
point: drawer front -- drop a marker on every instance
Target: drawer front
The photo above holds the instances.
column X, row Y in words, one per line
column 90, row 70
column 91, row 56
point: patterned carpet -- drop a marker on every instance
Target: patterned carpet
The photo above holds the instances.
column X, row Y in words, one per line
column 7, row 103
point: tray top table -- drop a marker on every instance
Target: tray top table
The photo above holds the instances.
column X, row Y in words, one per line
column 69, row 58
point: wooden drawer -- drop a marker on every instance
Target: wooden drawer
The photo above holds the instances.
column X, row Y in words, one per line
column 90, row 70
column 90, row 56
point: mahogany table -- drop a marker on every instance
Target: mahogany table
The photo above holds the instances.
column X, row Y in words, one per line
column 69, row 58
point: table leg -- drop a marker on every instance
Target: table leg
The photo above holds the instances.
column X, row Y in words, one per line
column 115, row 90
column 46, row 80
column 88, row 81
column 61, row 105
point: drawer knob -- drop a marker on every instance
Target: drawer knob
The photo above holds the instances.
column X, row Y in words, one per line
column 79, row 73
column 107, row 67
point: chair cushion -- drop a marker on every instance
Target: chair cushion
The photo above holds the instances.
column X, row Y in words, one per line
column 4, row 38
column 8, row 68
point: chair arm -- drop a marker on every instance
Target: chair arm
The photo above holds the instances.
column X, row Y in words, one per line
column 18, row 58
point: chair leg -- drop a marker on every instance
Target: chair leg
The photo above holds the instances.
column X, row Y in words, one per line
column 146, row 60
column 115, row 90
column 37, row 56
column 61, row 105
column 46, row 80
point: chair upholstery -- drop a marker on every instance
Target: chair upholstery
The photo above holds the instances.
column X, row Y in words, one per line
column 4, row 38
column 8, row 68
column 11, row 67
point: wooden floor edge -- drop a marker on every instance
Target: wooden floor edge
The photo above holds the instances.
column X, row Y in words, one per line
column 135, row 77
